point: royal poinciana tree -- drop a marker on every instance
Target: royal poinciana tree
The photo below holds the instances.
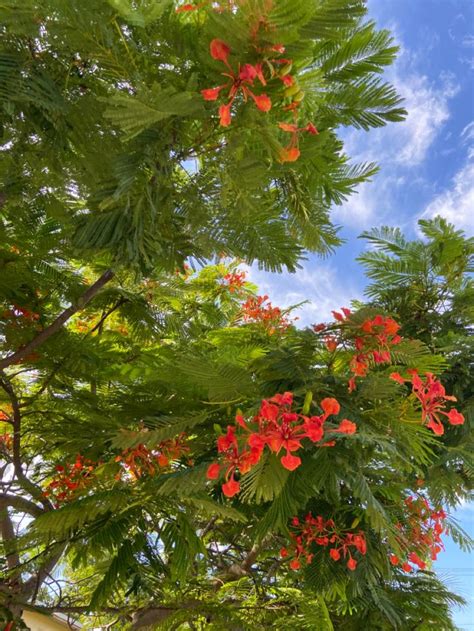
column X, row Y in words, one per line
column 175, row 452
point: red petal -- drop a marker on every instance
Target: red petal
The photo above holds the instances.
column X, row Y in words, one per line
column 219, row 50
column 397, row 377
column 334, row 554
column 455, row 417
column 213, row 471
column 330, row 406
column 352, row 564
column 347, row 427
column 231, row 488
column 289, row 155
column 248, row 73
column 259, row 71
column 288, row 127
column 290, row 462
column 224, row 113
column 186, row 7
column 263, row 102
column 211, row 94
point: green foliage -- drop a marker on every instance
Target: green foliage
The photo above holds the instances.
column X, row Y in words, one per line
column 113, row 166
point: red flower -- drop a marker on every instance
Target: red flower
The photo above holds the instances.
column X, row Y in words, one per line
column 213, row 471
column 240, row 81
column 334, row 554
column 346, row 427
column 219, row 50
column 394, row 560
column 295, row 564
column 352, row 564
column 283, row 553
column 406, row 567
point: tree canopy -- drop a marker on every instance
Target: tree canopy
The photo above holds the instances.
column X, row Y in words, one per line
column 175, row 452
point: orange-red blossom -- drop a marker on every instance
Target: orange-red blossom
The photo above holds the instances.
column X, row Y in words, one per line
column 277, row 428
column 321, row 532
column 291, row 152
column 240, row 81
column 432, row 396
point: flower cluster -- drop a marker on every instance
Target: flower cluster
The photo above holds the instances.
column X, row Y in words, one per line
column 321, row 532
column 420, row 534
column 241, row 81
column 372, row 339
column 277, row 428
column 140, row 460
column 291, row 152
column 259, row 310
column 70, row 480
column 235, row 281
column 432, row 396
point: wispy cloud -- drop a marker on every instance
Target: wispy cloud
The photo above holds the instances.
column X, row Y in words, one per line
column 456, row 203
column 400, row 149
column 319, row 283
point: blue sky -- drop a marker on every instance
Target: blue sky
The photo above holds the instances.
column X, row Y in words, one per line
column 427, row 168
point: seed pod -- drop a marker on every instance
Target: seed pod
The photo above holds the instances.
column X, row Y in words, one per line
column 292, row 89
column 286, row 69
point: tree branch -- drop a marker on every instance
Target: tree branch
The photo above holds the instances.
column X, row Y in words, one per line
column 21, row 504
column 55, row 326
column 9, row 539
column 32, row 585
column 26, row 484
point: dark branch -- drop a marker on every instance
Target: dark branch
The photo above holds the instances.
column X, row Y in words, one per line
column 9, row 538
column 26, row 484
column 20, row 504
column 58, row 323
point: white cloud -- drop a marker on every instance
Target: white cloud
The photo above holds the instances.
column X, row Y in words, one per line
column 456, row 203
column 468, row 41
column 399, row 148
column 318, row 282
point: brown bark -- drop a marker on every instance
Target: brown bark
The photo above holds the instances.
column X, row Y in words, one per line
column 55, row 326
